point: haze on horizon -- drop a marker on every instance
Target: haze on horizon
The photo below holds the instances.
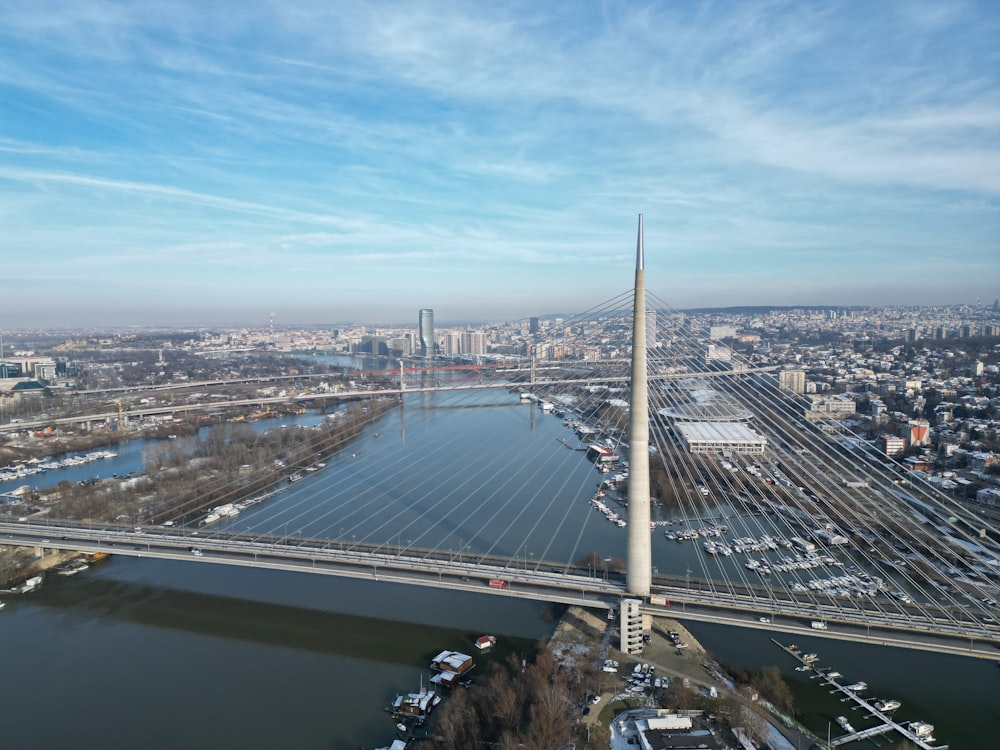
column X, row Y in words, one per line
column 181, row 163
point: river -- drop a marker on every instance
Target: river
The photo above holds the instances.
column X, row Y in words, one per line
column 158, row 654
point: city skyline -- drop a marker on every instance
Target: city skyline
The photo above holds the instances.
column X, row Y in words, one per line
column 171, row 164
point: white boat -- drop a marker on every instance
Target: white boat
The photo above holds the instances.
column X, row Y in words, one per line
column 921, row 729
column 887, row 705
column 72, row 568
column 845, row 724
column 31, row 584
column 857, row 687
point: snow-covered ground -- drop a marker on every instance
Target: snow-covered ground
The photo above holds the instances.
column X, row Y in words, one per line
column 623, row 727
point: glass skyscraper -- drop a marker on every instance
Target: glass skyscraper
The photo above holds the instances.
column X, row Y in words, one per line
column 426, row 330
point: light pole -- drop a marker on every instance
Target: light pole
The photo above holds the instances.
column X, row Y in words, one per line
column 687, row 586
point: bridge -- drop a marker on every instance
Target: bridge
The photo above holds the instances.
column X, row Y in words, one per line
column 788, row 523
column 538, row 580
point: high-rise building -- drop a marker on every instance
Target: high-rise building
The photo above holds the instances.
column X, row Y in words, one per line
column 651, row 338
column 722, row 332
column 473, row 342
column 426, row 333
column 792, row 380
column 532, row 325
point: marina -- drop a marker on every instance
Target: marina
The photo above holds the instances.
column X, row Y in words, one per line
column 918, row 732
column 33, row 466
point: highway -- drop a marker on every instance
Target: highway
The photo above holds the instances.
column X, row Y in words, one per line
column 307, row 398
column 539, row 581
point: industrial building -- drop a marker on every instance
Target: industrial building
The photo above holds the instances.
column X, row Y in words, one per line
column 716, row 437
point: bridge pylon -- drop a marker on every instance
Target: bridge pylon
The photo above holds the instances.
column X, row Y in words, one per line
column 639, row 563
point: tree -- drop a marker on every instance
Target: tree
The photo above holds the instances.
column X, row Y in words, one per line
column 773, row 687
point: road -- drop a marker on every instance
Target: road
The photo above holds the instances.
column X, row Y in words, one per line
column 541, row 582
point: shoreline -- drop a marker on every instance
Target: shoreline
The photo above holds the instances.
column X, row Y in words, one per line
column 579, row 628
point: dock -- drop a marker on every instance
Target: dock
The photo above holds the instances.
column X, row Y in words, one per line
column 888, row 724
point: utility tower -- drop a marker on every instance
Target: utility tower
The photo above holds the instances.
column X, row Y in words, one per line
column 639, row 561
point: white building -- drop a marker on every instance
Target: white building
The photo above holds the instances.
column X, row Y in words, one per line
column 716, row 437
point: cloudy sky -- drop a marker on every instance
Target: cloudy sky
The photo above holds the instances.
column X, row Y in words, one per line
column 192, row 162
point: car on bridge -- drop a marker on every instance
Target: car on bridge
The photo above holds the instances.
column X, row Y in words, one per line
column 196, row 552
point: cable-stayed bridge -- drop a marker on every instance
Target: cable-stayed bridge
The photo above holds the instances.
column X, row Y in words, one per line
column 762, row 516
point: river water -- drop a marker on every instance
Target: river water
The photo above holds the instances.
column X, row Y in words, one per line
column 158, row 654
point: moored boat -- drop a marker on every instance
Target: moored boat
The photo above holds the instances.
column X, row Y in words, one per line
column 72, row 567
column 453, row 661
column 485, row 642
column 887, row 705
column 415, row 707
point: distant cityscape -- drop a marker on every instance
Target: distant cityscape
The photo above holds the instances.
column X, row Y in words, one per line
column 922, row 381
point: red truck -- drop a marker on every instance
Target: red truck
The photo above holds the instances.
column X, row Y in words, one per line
column 496, row 583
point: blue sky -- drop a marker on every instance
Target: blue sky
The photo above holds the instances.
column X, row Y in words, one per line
column 205, row 163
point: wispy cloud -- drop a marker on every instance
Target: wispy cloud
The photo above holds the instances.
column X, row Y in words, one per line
column 427, row 142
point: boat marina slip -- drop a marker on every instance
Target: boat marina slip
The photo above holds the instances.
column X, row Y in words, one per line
column 917, row 732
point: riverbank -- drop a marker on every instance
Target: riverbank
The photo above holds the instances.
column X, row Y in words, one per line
column 19, row 563
column 704, row 686
column 26, row 446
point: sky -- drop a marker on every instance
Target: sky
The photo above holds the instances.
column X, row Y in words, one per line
column 192, row 163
